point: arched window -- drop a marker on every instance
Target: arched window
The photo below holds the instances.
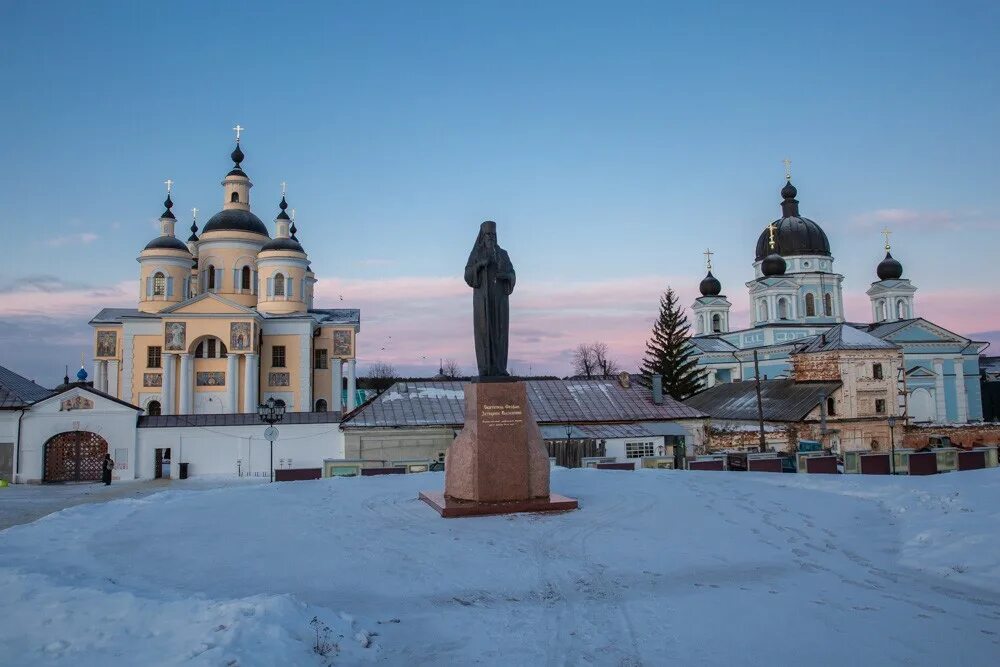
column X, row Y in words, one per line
column 810, row 305
column 880, row 311
column 830, row 407
column 828, row 304
column 159, row 284
column 153, row 408
column 279, row 285
column 782, row 309
column 901, row 309
column 211, row 276
column 701, row 324
column 321, row 405
column 717, row 323
column 763, row 310
column 235, row 198
column 211, row 348
column 245, row 278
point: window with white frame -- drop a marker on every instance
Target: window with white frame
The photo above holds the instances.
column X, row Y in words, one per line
column 159, row 284
column 635, row 450
column 279, row 285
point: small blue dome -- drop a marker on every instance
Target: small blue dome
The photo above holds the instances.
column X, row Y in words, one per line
column 81, row 374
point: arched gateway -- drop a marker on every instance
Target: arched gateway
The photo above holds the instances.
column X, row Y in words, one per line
column 74, row 456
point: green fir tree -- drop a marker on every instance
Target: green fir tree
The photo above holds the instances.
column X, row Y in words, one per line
column 669, row 352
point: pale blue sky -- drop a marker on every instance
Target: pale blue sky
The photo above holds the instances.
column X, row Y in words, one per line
column 609, row 140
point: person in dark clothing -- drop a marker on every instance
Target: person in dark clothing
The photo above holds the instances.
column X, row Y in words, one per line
column 108, row 466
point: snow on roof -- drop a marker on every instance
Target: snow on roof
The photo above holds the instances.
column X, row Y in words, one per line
column 442, row 403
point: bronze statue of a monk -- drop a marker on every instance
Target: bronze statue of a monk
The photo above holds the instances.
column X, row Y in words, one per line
column 491, row 276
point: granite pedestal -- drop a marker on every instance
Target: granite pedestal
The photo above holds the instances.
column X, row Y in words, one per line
column 498, row 464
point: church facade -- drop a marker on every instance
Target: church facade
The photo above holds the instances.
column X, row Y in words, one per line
column 226, row 320
column 796, row 296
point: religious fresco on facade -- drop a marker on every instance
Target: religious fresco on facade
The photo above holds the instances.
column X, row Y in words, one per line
column 278, row 379
column 107, row 343
column 210, row 378
column 76, row 403
column 152, row 380
column 342, row 344
column 175, row 334
column 240, row 336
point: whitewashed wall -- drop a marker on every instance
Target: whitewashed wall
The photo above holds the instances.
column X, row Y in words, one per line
column 232, row 450
column 114, row 422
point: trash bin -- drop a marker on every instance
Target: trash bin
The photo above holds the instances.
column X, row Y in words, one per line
column 184, row 470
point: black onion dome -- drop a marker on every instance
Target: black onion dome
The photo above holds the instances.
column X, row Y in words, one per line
column 194, row 231
column 773, row 265
column 292, row 230
column 237, row 154
column 283, row 205
column 889, row 268
column 710, row 285
column 168, row 204
column 794, row 234
column 166, row 243
column 235, row 220
column 283, row 244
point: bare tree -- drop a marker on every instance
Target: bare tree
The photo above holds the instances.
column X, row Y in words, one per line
column 381, row 375
column 583, row 361
column 451, row 369
column 606, row 366
column 593, row 360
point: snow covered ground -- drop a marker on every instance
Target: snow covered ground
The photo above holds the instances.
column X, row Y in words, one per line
column 656, row 568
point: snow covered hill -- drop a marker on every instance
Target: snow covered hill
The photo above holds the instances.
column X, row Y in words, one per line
column 656, row 568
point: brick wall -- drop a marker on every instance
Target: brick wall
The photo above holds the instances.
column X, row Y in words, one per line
column 969, row 435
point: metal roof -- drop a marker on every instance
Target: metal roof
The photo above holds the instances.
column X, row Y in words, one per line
column 712, row 344
column 115, row 315
column 338, row 315
column 783, row 400
column 434, row 403
column 17, row 391
column 243, row 419
column 845, row 337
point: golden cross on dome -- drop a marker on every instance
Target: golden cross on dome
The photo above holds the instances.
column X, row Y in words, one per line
column 170, row 184
column 708, row 258
column 885, row 233
column 293, row 215
column 284, row 188
column 771, row 230
column 788, row 169
column 238, row 129
column 194, row 213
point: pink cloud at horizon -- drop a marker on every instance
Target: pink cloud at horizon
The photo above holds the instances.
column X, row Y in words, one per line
column 412, row 322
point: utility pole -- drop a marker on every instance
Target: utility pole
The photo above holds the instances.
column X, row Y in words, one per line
column 760, row 404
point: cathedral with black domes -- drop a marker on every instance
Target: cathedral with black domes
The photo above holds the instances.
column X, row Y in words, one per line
column 796, row 296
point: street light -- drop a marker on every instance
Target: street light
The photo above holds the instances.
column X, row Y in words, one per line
column 892, row 444
column 271, row 412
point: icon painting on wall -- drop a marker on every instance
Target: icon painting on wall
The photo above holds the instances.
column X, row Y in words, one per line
column 342, row 344
column 176, row 335
column 240, row 336
column 107, row 343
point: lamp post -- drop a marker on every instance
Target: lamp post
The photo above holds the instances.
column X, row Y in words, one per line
column 271, row 412
column 892, row 444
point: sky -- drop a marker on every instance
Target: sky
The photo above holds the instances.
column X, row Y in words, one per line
column 612, row 143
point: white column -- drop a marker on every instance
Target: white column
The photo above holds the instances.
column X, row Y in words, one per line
column 942, row 415
column 249, row 384
column 961, row 400
column 112, row 377
column 167, row 404
column 337, row 385
column 232, row 382
column 351, row 385
column 97, row 374
column 186, row 385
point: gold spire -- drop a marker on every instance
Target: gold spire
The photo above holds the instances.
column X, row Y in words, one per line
column 886, row 233
column 708, row 258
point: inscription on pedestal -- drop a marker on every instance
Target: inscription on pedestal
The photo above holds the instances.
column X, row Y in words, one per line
column 501, row 415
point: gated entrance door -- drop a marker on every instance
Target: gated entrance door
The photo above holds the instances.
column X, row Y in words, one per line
column 7, row 461
column 74, row 456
